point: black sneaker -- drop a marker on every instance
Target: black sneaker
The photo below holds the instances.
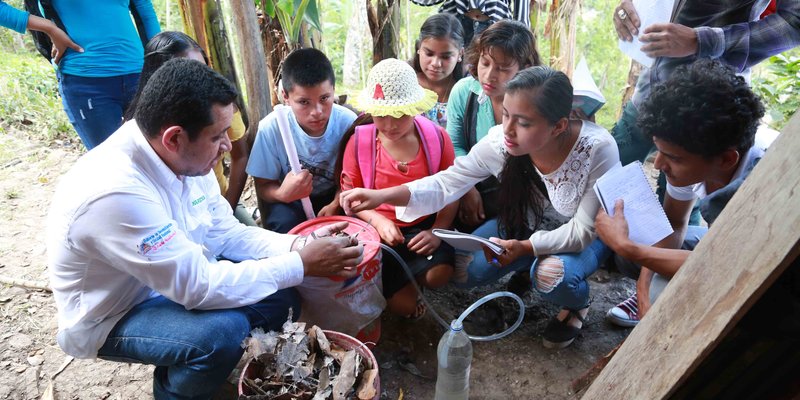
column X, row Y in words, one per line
column 559, row 334
column 519, row 283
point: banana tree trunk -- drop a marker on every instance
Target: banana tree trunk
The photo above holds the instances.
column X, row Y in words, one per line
column 384, row 24
column 627, row 92
column 276, row 49
column 256, row 77
column 562, row 29
column 355, row 46
column 310, row 37
column 202, row 20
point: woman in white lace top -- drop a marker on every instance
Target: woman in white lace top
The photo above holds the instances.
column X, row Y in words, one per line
column 547, row 165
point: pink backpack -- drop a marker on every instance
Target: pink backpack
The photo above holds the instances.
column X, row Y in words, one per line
column 432, row 146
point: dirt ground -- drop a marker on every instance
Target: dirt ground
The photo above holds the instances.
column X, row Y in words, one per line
column 516, row 367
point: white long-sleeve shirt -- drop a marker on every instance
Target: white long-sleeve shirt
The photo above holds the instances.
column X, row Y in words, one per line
column 124, row 228
column 569, row 186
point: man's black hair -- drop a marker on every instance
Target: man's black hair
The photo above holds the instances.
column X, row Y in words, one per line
column 307, row 68
column 705, row 108
column 182, row 92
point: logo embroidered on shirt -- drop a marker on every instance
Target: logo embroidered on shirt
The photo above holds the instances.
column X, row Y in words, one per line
column 198, row 200
column 152, row 243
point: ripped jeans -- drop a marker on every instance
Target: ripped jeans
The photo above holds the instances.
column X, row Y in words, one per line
column 560, row 278
column 95, row 106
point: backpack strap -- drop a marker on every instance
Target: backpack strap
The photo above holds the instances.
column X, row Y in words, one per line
column 470, row 126
column 365, row 153
column 432, row 142
column 43, row 9
column 364, row 136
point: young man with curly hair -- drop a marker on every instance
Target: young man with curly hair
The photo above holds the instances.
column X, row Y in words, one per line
column 703, row 121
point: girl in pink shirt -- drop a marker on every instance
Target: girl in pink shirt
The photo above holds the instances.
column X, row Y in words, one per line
column 400, row 146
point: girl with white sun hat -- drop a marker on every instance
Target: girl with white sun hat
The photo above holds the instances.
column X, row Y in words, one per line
column 398, row 147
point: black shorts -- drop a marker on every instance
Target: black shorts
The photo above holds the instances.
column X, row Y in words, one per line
column 394, row 276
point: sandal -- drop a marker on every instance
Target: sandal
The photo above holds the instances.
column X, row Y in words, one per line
column 559, row 334
column 419, row 312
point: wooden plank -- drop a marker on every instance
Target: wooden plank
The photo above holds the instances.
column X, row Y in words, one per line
column 748, row 247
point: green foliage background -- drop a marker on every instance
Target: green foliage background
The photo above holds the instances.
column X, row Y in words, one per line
column 29, row 98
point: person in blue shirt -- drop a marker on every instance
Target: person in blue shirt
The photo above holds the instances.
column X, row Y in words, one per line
column 98, row 56
column 317, row 126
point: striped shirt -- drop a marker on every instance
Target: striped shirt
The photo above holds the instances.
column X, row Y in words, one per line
column 495, row 10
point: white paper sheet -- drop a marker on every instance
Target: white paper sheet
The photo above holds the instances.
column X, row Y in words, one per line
column 466, row 241
column 585, row 93
column 650, row 12
column 291, row 152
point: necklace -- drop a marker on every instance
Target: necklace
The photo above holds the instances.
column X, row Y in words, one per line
column 402, row 166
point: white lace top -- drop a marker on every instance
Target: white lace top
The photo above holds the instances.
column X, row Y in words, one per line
column 569, row 220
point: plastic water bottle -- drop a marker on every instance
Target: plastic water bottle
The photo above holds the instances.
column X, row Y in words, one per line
column 454, row 355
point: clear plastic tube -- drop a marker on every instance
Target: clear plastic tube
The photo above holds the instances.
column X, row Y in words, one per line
column 471, row 308
column 492, row 296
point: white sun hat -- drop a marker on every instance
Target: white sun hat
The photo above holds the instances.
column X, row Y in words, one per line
column 393, row 90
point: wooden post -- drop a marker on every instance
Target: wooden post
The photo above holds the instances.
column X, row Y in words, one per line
column 203, row 21
column 749, row 246
column 384, row 25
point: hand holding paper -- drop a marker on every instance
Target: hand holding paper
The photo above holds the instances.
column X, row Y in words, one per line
column 649, row 12
column 646, row 221
column 626, row 21
column 669, row 40
column 613, row 231
column 291, row 152
column 465, row 241
column 296, row 186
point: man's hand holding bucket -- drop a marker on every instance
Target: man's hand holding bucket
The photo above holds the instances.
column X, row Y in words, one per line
column 325, row 254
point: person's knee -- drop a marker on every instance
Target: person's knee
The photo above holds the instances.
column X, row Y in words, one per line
column 549, row 274
column 438, row 275
column 226, row 331
column 404, row 301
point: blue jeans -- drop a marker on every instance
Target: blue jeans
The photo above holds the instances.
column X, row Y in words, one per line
column 632, row 143
column 573, row 290
column 194, row 351
column 95, row 105
column 282, row 217
column 690, row 240
column 471, row 27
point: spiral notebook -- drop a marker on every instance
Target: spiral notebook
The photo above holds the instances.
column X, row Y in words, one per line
column 466, row 241
column 647, row 222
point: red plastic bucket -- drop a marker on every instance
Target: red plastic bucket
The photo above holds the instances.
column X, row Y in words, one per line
column 314, row 290
column 253, row 370
column 369, row 237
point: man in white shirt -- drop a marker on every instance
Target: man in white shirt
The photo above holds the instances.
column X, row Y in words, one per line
column 147, row 262
column 703, row 121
